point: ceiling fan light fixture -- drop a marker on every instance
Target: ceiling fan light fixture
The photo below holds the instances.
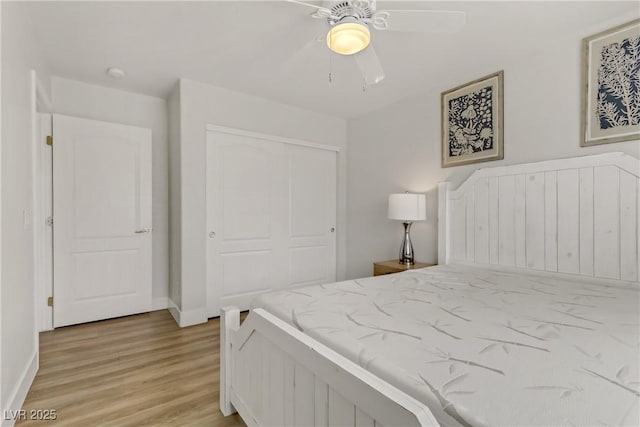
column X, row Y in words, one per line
column 348, row 37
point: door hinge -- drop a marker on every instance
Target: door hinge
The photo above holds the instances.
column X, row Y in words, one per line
column 50, row 302
column 49, row 221
column 49, row 140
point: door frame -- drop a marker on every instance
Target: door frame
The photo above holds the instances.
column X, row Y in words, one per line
column 42, row 191
column 274, row 138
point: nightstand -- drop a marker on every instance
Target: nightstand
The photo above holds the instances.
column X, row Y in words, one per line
column 393, row 266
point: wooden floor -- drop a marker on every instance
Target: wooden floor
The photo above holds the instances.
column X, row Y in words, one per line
column 139, row 370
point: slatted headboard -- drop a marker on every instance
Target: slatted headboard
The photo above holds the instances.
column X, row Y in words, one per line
column 577, row 215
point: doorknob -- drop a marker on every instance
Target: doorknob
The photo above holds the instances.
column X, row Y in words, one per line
column 142, row 230
column 333, row 229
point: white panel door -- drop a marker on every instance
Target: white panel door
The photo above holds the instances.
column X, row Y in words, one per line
column 246, row 216
column 271, row 217
column 102, row 220
column 312, row 216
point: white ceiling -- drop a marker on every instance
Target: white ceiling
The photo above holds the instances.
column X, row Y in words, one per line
column 259, row 47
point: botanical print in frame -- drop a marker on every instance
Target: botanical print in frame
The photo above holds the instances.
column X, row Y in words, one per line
column 611, row 86
column 472, row 122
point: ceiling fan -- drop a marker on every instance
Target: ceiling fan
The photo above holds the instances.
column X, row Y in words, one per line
column 350, row 23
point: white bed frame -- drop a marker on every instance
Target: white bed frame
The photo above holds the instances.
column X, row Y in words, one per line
column 576, row 216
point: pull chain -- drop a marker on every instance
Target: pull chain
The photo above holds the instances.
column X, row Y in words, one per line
column 330, row 60
column 364, row 85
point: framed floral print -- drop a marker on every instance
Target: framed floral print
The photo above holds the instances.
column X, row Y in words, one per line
column 472, row 122
column 611, row 85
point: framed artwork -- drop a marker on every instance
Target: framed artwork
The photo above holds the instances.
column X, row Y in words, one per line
column 472, row 122
column 611, row 85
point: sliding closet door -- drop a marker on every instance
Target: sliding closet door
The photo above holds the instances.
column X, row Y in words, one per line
column 312, row 216
column 271, row 212
column 246, row 199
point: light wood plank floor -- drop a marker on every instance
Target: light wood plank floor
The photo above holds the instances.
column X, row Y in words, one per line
column 139, row 370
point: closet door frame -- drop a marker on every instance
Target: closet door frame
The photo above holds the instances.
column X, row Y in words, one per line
column 273, row 138
column 213, row 311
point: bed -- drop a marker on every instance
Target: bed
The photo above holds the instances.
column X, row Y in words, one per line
column 531, row 318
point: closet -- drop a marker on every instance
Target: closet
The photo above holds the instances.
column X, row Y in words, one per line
column 271, row 215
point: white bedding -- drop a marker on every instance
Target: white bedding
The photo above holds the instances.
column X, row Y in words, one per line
column 481, row 347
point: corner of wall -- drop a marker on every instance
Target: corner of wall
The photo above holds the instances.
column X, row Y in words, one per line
column 187, row 317
column 174, row 106
column 44, row 102
column 1, row 400
column 21, row 54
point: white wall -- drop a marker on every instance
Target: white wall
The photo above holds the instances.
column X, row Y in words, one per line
column 2, row 405
column 175, row 224
column 398, row 148
column 84, row 100
column 19, row 338
column 202, row 104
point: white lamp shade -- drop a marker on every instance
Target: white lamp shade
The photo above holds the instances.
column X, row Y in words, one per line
column 407, row 207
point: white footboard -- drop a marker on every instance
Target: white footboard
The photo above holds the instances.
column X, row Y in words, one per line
column 274, row 375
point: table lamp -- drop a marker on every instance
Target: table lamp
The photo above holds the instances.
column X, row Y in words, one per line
column 407, row 208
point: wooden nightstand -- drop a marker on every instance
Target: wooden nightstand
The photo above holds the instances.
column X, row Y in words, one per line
column 393, row 266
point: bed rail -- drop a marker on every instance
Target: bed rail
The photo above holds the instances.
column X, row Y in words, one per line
column 273, row 374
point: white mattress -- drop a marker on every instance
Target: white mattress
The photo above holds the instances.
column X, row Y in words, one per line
column 481, row 347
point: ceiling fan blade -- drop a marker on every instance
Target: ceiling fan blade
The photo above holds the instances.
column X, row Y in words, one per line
column 296, row 61
column 315, row 6
column 320, row 13
column 425, row 21
column 369, row 65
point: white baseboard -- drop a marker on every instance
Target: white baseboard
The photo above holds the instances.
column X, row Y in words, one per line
column 19, row 394
column 159, row 303
column 174, row 310
column 189, row 317
column 193, row 317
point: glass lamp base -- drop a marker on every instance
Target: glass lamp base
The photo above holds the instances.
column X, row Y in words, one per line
column 406, row 250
